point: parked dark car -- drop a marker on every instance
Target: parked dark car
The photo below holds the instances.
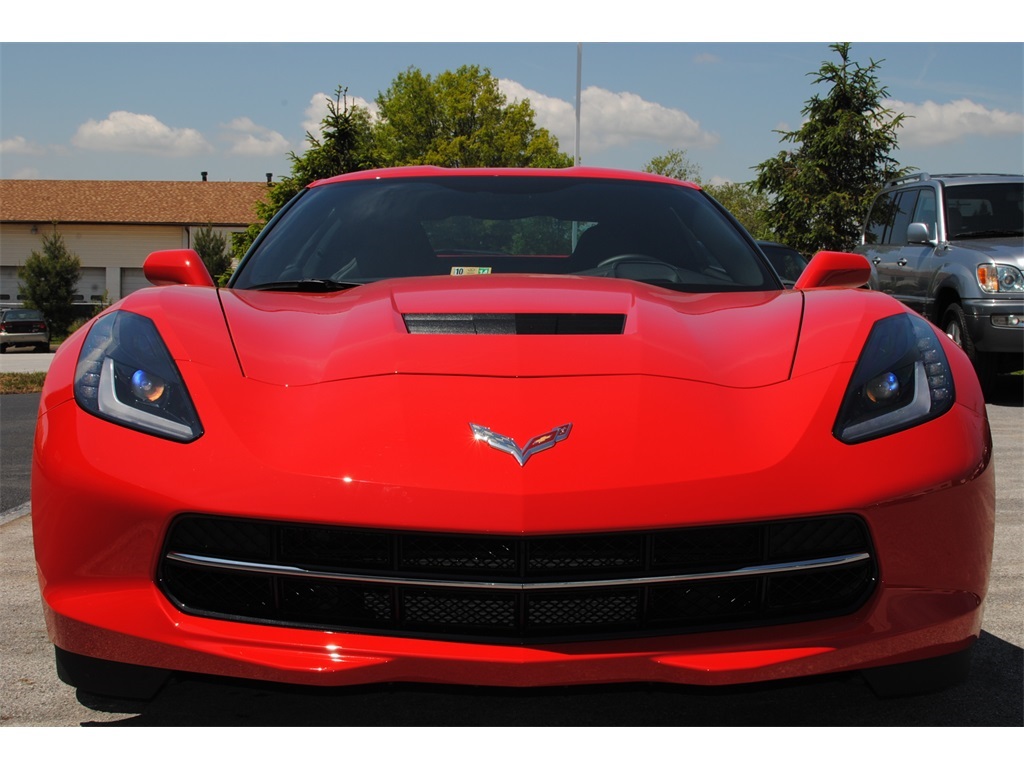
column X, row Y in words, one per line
column 24, row 328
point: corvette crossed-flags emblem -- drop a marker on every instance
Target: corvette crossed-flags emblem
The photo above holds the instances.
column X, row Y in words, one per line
column 521, row 454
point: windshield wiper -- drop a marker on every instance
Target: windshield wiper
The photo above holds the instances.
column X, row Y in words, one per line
column 306, row 285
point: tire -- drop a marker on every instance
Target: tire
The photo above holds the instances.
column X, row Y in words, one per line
column 915, row 678
column 111, row 679
column 954, row 323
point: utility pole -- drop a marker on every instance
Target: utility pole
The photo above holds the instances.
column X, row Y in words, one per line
column 579, row 78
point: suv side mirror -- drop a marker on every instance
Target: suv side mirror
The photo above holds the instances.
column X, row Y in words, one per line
column 918, row 233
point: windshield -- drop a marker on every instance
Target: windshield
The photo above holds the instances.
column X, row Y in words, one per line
column 349, row 233
column 985, row 210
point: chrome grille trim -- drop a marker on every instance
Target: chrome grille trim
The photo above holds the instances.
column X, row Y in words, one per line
column 288, row 570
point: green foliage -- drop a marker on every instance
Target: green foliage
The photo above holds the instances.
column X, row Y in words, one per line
column 345, row 147
column 741, row 200
column 459, row 120
column 821, row 190
column 49, row 279
column 212, row 248
column 675, row 165
column 748, row 206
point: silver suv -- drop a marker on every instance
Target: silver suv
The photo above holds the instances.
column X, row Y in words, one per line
column 951, row 246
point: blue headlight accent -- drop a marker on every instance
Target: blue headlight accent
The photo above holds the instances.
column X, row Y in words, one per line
column 126, row 375
column 902, row 379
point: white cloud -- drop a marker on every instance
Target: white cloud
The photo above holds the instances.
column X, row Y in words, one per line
column 931, row 124
column 131, row 132
column 610, row 119
column 19, row 145
column 247, row 138
column 317, row 111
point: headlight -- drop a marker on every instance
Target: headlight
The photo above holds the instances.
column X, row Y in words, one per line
column 126, row 375
column 902, row 379
column 995, row 278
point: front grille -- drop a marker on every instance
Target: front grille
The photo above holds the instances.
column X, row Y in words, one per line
column 518, row 589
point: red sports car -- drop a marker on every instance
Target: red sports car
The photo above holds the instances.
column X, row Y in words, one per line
column 512, row 428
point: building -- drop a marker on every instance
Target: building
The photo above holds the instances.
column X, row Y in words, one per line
column 113, row 225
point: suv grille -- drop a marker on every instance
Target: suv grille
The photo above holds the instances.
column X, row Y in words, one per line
column 518, row 589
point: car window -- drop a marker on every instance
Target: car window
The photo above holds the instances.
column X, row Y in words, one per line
column 22, row 314
column 365, row 230
column 984, row 210
column 880, row 218
column 896, row 232
column 925, row 211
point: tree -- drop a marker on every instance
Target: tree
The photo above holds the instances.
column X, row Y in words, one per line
column 212, row 248
column 345, row 147
column 49, row 279
column 675, row 165
column 821, row 190
column 459, row 120
column 746, row 205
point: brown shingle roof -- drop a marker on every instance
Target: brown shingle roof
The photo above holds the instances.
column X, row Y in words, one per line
column 221, row 203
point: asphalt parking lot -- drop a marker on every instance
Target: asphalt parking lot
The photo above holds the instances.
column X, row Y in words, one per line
column 31, row 695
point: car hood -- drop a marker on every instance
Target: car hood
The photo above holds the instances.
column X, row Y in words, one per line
column 466, row 326
column 1004, row 250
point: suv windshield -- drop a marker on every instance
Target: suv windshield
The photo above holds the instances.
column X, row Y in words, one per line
column 353, row 232
column 984, row 210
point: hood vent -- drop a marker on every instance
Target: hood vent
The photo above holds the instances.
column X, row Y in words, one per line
column 520, row 324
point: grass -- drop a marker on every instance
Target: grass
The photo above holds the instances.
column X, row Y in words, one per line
column 21, row 383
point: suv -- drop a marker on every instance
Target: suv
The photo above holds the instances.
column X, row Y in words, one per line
column 951, row 247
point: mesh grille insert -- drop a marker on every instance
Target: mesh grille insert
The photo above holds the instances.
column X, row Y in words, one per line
column 517, row 589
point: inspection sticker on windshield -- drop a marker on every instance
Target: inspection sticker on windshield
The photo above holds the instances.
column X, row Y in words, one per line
column 471, row 270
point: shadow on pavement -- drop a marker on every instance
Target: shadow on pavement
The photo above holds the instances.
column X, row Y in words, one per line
column 991, row 697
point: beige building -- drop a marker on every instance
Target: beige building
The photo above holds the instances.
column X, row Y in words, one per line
column 113, row 225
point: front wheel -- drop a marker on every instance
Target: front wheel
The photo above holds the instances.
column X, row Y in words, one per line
column 954, row 323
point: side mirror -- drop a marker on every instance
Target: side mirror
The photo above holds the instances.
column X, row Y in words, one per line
column 178, row 267
column 834, row 269
column 918, row 233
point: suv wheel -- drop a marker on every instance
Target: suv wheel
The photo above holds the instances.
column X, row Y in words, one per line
column 955, row 326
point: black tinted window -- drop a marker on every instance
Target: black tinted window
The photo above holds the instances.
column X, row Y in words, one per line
column 365, row 230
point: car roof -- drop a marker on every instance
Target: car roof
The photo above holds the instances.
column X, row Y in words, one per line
column 577, row 172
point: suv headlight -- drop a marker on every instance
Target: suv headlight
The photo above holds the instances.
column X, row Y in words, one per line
column 126, row 375
column 996, row 278
column 902, row 379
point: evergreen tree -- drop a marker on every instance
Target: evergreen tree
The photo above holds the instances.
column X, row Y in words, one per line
column 821, row 190
column 212, row 248
column 49, row 280
column 345, row 147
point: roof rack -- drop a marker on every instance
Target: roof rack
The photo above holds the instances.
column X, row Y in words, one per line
column 929, row 176
column 908, row 179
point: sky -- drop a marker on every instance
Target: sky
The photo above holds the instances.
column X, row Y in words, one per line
column 84, row 103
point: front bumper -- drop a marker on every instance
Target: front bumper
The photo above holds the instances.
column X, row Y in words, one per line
column 996, row 326
column 104, row 499
column 24, row 339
